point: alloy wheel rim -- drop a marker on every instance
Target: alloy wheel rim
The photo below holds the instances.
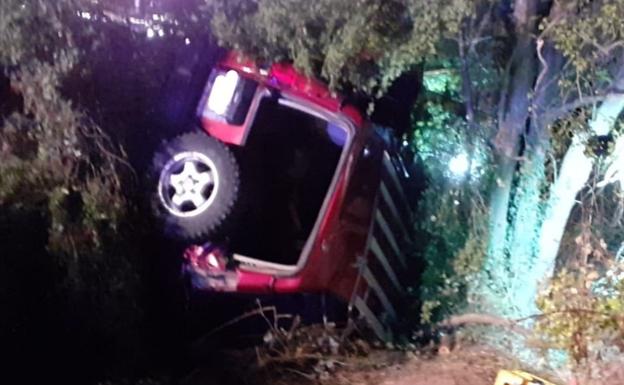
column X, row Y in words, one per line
column 188, row 184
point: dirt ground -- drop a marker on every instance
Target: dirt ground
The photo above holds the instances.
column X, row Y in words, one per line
column 470, row 366
column 467, row 366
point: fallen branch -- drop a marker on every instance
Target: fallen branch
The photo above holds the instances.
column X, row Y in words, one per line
column 513, row 324
column 484, row 319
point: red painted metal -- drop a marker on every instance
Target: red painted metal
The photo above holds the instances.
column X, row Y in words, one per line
column 227, row 133
column 282, row 77
column 344, row 233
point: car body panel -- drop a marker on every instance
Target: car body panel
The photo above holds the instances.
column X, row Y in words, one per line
column 340, row 242
column 280, row 77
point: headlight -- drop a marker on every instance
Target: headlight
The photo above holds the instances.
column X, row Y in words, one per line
column 227, row 97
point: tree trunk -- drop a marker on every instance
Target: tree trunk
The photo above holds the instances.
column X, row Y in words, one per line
column 527, row 203
column 573, row 175
column 512, row 125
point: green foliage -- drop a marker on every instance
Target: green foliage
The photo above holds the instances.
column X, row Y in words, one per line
column 56, row 161
column 591, row 34
column 439, row 135
column 582, row 311
column 455, row 250
column 441, row 81
column 452, row 209
column 54, row 156
column 362, row 44
column 441, row 131
column 564, row 130
column 34, row 30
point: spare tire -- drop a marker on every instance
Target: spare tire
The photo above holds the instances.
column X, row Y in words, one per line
column 197, row 185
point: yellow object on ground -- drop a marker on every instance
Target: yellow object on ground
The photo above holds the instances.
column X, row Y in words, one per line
column 518, row 377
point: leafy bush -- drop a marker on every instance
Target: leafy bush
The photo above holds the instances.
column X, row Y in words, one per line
column 52, row 155
column 56, row 162
column 362, row 45
column 582, row 317
column 452, row 210
column 582, row 309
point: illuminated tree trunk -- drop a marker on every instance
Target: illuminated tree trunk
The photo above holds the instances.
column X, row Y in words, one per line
column 496, row 267
column 573, row 175
column 524, row 231
column 514, row 112
column 527, row 207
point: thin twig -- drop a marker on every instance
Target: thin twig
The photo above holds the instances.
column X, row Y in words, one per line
column 308, row 376
column 232, row 322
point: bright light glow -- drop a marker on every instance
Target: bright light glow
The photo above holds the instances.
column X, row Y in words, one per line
column 459, row 164
column 161, row 33
column 187, row 41
column 137, row 21
column 86, row 15
column 222, row 92
column 212, row 260
column 150, row 33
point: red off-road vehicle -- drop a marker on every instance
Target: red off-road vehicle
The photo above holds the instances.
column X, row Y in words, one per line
column 285, row 188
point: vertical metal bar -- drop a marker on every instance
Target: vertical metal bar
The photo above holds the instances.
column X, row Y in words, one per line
column 385, row 228
column 373, row 321
column 383, row 298
column 387, row 198
column 393, row 176
column 381, row 257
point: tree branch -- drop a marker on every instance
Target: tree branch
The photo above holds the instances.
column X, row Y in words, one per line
column 554, row 114
column 545, row 67
column 513, row 324
column 484, row 319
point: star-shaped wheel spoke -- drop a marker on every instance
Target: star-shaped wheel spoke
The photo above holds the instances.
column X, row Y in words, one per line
column 190, row 184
